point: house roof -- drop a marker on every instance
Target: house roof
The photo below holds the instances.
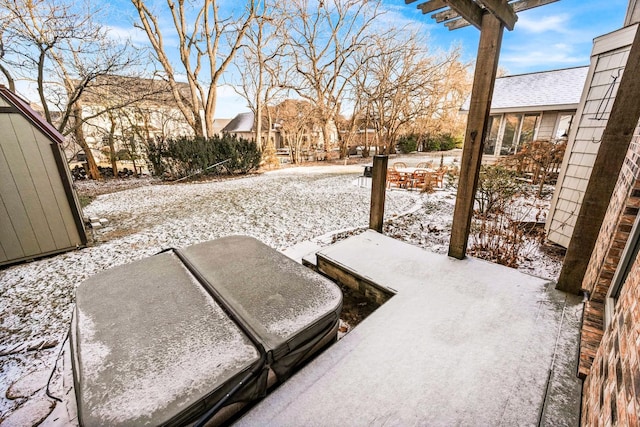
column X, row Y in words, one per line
column 19, row 105
column 124, row 90
column 544, row 90
column 243, row 122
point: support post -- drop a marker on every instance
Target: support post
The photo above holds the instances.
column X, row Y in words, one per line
column 616, row 138
column 480, row 105
column 378, row 190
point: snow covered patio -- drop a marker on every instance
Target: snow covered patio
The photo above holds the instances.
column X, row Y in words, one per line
column 460, row 343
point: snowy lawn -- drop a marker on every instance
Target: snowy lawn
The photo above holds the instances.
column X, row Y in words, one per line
column 280, row 208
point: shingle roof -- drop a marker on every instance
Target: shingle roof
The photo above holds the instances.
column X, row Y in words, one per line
column 243, row 122
column 542, row 90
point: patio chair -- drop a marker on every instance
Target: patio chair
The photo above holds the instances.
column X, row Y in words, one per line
column 397, row 165
column 424, row 165
column 421, row 177
column 396, row 178
column 439, row 176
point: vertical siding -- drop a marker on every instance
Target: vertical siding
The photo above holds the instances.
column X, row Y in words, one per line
column 584, row 143
column 14, row 188
column 35, row 216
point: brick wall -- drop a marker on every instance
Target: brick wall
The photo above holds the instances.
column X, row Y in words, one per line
column 609, row 360
column 612, row 239
column 612, row 388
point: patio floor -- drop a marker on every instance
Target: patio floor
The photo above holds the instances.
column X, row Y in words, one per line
column 460, row 343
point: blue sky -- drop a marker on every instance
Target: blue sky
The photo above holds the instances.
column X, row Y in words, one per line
column 557, row 35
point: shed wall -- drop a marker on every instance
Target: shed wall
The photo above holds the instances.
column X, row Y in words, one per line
column 36, row 215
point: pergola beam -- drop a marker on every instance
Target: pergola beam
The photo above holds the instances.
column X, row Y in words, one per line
column 469, row 10
column 431, row 6
column 481, row 94
column 502, row 11
column 520, row 5
column 454, row 24
column 445, row 15
column 490, row 17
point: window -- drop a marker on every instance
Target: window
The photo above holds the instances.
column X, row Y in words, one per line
column 528, row 130
column 492, row 137
column 509, row 132
column 512, row 123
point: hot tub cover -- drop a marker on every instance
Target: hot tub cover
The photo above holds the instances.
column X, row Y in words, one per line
column 161, row 340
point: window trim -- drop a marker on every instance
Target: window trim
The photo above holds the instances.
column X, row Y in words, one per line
column 627, row 259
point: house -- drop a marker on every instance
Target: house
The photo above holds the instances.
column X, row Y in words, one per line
column 608, row 59
column 121, row 113
column 242, row 126
column 609, row 357
column 39, row 212
column 610, row 337
column 531, row 106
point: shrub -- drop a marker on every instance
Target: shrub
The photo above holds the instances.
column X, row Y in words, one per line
column 497, row 186
column 185, row 156
column 497, row 234
column 407, row 143
column 441, row 142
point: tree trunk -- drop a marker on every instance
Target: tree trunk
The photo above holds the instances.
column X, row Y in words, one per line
column 112, row 146
column 326, row 134
column 93, row 171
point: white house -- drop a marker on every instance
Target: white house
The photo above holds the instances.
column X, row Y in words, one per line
column 531, row 106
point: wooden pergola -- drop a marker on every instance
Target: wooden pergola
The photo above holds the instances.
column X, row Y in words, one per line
column 490, row 17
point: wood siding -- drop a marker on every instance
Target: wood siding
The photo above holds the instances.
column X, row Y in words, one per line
column 36, row 216
column 609, row 58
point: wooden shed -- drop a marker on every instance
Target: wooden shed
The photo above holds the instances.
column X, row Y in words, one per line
column 39, row 212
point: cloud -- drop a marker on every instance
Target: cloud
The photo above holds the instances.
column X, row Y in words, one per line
column 543, row 24
column 135, row 35
column 542, row 56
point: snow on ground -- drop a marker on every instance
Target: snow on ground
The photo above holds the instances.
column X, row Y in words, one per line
column 280, row 208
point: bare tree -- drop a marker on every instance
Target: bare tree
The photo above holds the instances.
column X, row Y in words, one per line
column 5, row 49
column 402, row 83
column 297, row 126
column 262, row 71
column 201, row 32
column 322, row 39
column 61, row 47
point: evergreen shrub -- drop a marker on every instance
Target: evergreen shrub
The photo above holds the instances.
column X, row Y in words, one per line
column 184, row 156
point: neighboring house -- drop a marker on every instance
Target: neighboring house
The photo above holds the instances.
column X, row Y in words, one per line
column 527, row 107
column 119, row 110
column 219, row 124
column 608, row 59
column 242, row 126
column 39, row 211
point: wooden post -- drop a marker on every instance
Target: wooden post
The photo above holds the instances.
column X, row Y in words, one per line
column 480, row 105
column 378, row 190
column 616, row 138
